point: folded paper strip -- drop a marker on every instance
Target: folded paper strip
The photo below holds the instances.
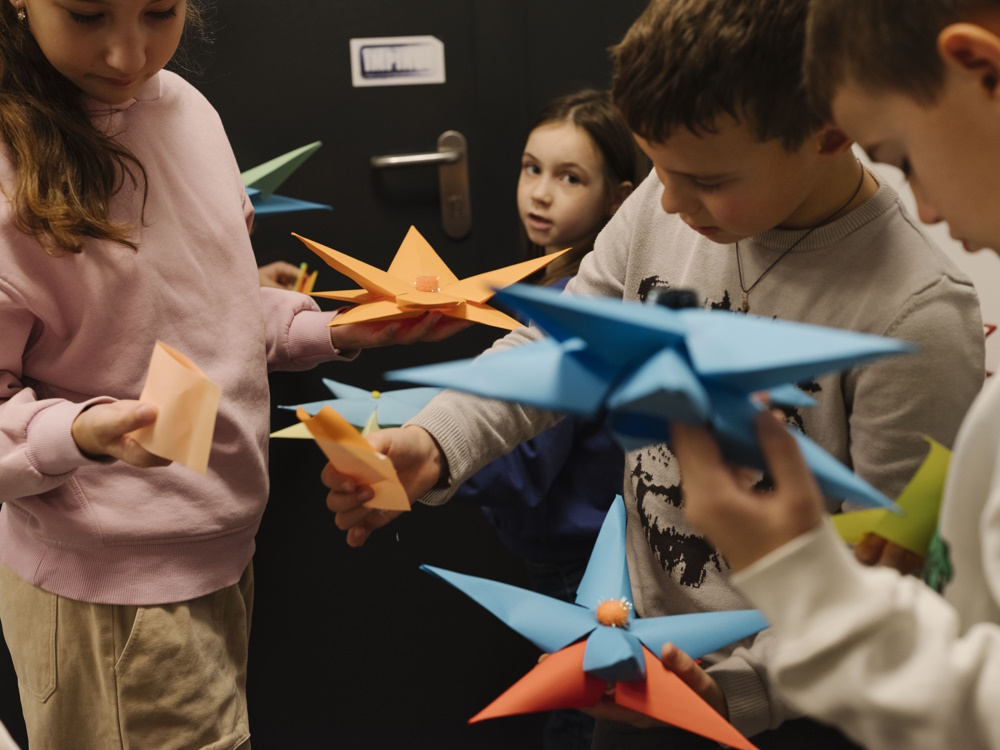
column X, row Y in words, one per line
column 187, row 404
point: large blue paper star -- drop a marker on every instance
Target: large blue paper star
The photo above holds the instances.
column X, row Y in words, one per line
column 648, row 365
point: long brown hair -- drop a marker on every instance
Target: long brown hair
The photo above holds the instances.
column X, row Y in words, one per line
column 593, row 112
column 67, row 171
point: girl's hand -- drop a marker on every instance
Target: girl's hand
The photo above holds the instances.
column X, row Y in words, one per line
column 742, row 524
column 418, row 462
column 430, row 327
column 105, row 430
column 280, row 275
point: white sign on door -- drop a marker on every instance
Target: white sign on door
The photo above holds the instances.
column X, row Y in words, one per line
column 397, row 61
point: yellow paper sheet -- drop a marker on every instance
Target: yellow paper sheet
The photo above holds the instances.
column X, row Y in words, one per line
column 371, row 425
column 920, row 501
column 418, row 281
column 298, row 431
column 187, row 402
column 354, row 456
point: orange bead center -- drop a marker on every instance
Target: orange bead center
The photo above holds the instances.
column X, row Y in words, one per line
column 613, row 613
column 427, row 283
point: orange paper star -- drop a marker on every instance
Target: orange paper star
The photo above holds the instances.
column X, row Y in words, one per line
column 417, row 282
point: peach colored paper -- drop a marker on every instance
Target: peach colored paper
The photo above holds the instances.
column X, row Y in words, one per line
column 354, row 456
column 417, row 282
column 187, row 402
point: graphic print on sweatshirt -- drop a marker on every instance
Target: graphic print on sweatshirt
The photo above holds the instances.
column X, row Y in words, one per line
column 652, row 282
column 684, row 555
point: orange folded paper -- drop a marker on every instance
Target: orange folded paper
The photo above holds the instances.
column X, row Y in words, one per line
column 560, row 682
column 187, row 402
column 354, row 456
column 417, row 282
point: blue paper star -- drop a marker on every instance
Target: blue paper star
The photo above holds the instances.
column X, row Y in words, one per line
column 614, row 653
column 356, row 405
column 648, row 365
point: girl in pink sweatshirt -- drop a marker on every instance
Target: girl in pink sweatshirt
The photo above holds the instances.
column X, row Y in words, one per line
column 125, row 583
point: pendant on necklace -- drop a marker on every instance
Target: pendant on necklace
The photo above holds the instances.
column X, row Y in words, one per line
column 746, row 303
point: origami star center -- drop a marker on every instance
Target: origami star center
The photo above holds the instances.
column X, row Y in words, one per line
column 613, row 613
column 427, row 283
column 376, row 394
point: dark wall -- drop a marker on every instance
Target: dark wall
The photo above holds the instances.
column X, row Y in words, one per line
column 357, row 647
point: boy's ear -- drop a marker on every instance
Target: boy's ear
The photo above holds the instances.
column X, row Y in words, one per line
column 972, row 50
column 833, row 141
column 623, row 191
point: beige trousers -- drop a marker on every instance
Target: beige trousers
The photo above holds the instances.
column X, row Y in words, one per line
column 107, row 677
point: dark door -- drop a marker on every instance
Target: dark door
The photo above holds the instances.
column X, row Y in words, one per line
column 357, row 648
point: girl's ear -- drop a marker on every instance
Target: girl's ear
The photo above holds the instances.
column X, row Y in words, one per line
column 970, row 49
column 620, row 193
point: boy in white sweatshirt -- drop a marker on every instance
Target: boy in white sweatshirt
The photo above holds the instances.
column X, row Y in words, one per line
column 882, row 656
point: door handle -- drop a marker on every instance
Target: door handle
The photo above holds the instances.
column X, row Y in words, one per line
column 431, row 159
column 451, row 159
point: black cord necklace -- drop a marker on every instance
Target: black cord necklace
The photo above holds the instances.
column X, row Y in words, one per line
column 745, row 307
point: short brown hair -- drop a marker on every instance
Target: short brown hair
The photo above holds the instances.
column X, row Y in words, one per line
column 883, row 45
column 686, row 62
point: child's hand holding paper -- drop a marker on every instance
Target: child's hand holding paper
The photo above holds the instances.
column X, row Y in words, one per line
column 106, row 430
column 187, row 403
column 354, row 457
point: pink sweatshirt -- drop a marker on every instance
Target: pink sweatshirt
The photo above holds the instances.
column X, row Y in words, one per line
column 80, row 329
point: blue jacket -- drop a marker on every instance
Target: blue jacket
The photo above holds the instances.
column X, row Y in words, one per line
column 548, row 497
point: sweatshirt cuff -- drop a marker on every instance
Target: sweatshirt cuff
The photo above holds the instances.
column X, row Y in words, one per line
column 795, row 583
column 746, row 697
column 309, row 339
column 452, row 443
column 50, row 447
